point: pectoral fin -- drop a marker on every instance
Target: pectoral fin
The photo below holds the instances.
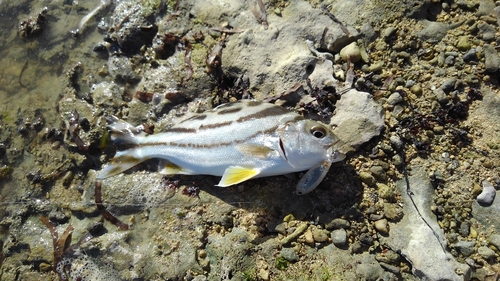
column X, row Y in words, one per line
column 236, row 174
column 259, row 151
column 122, row 162
column 313, row 177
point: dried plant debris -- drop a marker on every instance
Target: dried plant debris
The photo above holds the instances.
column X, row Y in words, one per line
column 33, row 25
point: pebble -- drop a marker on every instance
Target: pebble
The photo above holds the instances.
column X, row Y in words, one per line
column 464, row 229
column 486, row 252
column 308, row 236
column 449, row 60
column 367, row 178
column 487, row 31
column 378, row 172
column 491, row 59
column 466, row 248
column 388, row 33
column 366, row 239
column 394, row 98
column 351, row 53
column 494, row 239
column 320, row 235
column 339, row 237
column 289, row 254
column 440, row 96
column 487, row 195
column 382, row 226
column 338, row 224
column 396, row 142
column 463, row 43
column 449, row 84
column 385, row 192
column 393, row 212
column 471, row 55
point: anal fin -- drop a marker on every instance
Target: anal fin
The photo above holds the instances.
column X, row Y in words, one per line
column 236, row 174
column 118, row 164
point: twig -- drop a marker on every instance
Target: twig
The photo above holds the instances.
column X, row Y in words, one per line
column 259, row 12
column 335, row 20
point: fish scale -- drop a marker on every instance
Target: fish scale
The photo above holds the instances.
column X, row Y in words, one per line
column 238, row 141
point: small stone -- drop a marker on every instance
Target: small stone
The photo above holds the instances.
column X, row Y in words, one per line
column 394, row 98
column 491, row 59
column 366, row 239
column 464, row 229
column 471, row 55
column 288, row 218
column 449, row 84
column 289, row 254
column 416, row 89
column 486, row 252
column 463, row 43
column 396, row 142
column 281, row 228
column 308, row 236
column 476, row 189
column 388, row 33
column 466, row 248
column 320, row 235
column 449, row 60
column 339, row 237
column 367, row 178
column 378, row 172
column 385, row 191
column 397, row 160
column 337, row 224
column 487, row 195
column 393, row 212
column 351, row 53
column 440, row 96
column 494, row 239
column 382, row 226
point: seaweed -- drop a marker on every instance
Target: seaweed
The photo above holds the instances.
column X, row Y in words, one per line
column 61, row 244
column 105, row 213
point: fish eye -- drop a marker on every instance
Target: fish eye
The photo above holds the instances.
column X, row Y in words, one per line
column 318, row 132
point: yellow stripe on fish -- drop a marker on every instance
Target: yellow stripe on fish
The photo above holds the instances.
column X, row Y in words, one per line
column 238, row 141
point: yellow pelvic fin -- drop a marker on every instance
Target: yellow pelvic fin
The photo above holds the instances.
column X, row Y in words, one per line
column 170, row 168
column 259, row 151
column 236, row 174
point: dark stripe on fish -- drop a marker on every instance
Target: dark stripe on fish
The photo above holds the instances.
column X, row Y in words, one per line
column 229, row 110
column 181, row 130
column 196, row 117
column 195, row 145
column 215, row 125
column 271, row 111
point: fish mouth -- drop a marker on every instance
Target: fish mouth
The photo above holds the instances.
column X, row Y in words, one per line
column 334, row 155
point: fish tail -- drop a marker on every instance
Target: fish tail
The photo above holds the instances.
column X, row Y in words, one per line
column 126, row 138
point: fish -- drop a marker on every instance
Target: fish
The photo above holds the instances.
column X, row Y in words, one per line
column 237, row 141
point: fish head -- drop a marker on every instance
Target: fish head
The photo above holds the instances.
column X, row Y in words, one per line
column 307, row 143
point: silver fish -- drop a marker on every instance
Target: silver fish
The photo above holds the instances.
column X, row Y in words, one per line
column 238, row 141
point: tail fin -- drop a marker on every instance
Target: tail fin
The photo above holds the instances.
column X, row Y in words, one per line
column 125, row 137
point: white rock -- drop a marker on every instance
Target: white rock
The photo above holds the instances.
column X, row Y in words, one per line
column 487, row 195
column 351, row 53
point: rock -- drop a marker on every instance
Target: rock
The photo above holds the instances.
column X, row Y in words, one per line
column 487, row 196
column 393, row 212
column 494, row 239
column 449, row 84
column 471, row 55
column 273, row 54
column 440, row 96
column 120, row 68
column 339, row 237
column 466, row 248
column 337, row 224
column 413, row 238
column 388, row 33
column 433, row 31
column 385, row 191
column 289, row 254
column 367, row 178
column 394, row 98
column 351, row 53
column 487, row 31
column 228, row 253
column 463, row 43
column 369, row 269
column 486, row 252
column 491, row 59
column 396, row 142
column 382, row 226
column 378, row 172
column 308, row 236
column 357, row 119
column 320, row 235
